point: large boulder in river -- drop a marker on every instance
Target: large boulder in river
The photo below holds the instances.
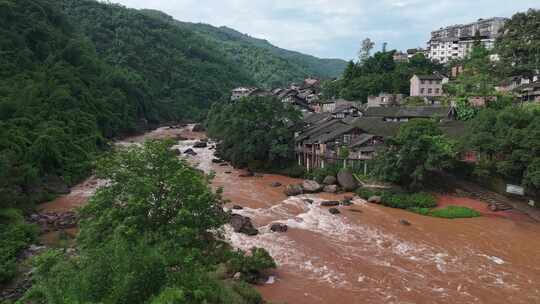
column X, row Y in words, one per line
column 294, row 190
column 242, row 224
column 330, row 189
column 334, row 211
column 190, row 152
column 311, row 186
column 330, row 180
column 198, row 128
column 375, row 199
column 329, row 203
column 200, row 144
column 278, row 227
column 346, row 180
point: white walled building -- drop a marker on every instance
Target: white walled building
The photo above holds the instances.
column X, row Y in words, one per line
column 456, row 41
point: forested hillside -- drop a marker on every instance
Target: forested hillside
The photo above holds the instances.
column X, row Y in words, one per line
column 268, row 65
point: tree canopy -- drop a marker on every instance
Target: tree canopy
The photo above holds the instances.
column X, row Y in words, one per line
column 418, row 150
column 254, row 130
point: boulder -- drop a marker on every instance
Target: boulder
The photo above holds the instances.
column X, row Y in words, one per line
column 237, row 276
column 329, row 203
column 242, row 224
column 198, row 128
column 223, row 165
column 404, row 222
column 190, row 152
column 278, row 227
column 200, row 144
column 311, row 186
column 217, row 161
column 330, row 180
column 346, row 180
column 237, row 207
column 375, row 200
column 228, row 172
column 294, row 190
column 275, row 184
column 334, row 211
column 346, row 202
column 330, row 189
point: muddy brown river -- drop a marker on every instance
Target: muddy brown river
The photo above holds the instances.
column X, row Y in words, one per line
column 364, row 254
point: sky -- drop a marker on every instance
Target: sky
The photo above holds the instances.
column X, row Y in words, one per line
column 335, row 28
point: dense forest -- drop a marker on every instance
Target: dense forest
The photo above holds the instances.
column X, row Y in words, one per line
column 268, row 65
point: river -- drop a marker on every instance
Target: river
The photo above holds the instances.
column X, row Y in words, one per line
column 364, row 254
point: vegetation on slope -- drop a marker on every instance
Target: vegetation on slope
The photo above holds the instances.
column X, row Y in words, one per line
column 149, row 237
column 267, row 65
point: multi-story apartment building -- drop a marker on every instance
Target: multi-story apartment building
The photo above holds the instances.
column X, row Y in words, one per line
column 428, row 86
column 456, row 41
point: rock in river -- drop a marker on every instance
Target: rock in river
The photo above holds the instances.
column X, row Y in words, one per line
column 311, row 186
column 242, row 224
column 190, row 152
column 279, row 227
column 275, row 184
column 375, row 199
column 404, row 222
column 293, row 190
column 346, row 180
column 330, row 189
column 200, row 144
column 334, row 211
column 329, row 180
column 329, row 203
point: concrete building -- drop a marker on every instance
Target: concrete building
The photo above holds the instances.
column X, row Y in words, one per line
column 427, row 86
column 385, row 100
column 456, row 41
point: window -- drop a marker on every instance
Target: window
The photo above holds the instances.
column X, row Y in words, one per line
column 422, row 81
column 430, row 91
column 437, row 91
column 422, row 91
column 347, row 138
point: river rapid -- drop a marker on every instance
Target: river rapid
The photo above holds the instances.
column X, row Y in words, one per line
column 364, row 254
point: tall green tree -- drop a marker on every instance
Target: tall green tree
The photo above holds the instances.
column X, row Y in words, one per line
column 415, row 153
column 256, row 130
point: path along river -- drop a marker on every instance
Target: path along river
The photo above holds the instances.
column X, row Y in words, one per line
column 364, row 255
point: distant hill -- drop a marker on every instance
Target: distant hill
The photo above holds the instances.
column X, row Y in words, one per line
column 267, row 64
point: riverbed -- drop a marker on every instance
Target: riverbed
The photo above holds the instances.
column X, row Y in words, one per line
column 364, row 254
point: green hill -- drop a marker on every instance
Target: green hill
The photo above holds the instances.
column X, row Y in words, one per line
column 268, row 65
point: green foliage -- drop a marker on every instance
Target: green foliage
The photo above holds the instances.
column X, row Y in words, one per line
column 453, row 212
column 418, row 150
column 15, row 235
column 145, row 238
column 519, row 45
column 318, row 174
column 465, row 111
column 366, row 193
column 508, row 143
column 379, row 73
column 408, row 201
column 254, row 130
column 253, row 264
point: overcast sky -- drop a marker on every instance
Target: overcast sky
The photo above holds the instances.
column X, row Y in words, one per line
column 335, row 28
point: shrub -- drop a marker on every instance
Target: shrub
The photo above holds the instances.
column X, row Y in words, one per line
column 15, row 235
column 452, row 212
column 320, row 173
column 294, row 171
column 407, row 201
column 252, row 266
column 366, row 193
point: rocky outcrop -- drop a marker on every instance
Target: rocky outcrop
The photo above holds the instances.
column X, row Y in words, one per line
column 330, row 180
column 278, row 227
column 242, row 224
column 55, row 221
column 294, row 190
column 334, row 211
column 311, row 186
column 346, row 180
column 330, row 189
column 375, row 200
column 329, row 203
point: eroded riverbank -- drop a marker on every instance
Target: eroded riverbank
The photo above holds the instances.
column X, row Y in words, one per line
column 364, row 255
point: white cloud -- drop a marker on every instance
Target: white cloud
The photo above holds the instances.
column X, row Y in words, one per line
column 334, row 28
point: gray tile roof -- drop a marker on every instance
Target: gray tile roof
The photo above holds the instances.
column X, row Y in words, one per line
column 408, row 112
